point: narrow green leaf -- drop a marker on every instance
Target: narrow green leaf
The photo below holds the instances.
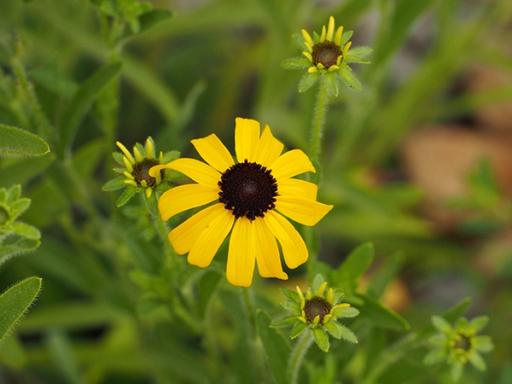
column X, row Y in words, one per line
column 297, row 329
column 15, row 301
column 26, row 230
column 356, row 264
column 84, row 99
column 284, row 322
column 152, row 18
column 334, row 328
column 125, row 197
column 477, row 361
column 478, row 323
column 321, row 339
column 16, row 142
column 347, row 334
column 114, row 184
column 382, row 317
column 307, row 81
column 276, row 348
column 295, row 63
column 348, row 78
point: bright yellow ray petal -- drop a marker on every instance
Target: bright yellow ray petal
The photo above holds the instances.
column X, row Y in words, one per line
column 210, row 240
column 323, row 35
column 241, row 254
column 305, row 211
column 267, row 252
column 330, row 29
column 247, row 135
column 291, row 163
column 194, row 169
column 339, row 34
column 125, row 151
column 269, row 148
column 307, row 37
column 184, row 197
column 294, row 249
column 297, row 188
column 150, row 148
column 213, row 152
column 185, row 235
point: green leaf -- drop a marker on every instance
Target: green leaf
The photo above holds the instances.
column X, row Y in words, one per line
column 291, row 295
column 15, row 301
column 297, row 329
column 152, row 18
column 331, row 82
column 295, row 63
column 307, row 81
column 457, row 310
column 441, row 324
column 206, row 287
column 356, row 264
column 276, row 348
column 125, row 197
column 348, row 78
column 16, row 142
column 478, row 323
column 26, row 230
column 114, row 184
column 382, row 317
column 477, row 361
column 321, row 339
column 12, row 354
column 334, row 328
column 84, row 99
column 350, row 312
column 284, row 322
column 347, row 334
column 434, row 356
column 483, row 343
column 19, row 247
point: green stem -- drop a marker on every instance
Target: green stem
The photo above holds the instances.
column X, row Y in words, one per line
column 159, row 226
column 318, row 123
column 248, row 301
column 297, row 355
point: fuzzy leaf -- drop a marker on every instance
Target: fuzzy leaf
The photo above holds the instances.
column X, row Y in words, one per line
column 125, row 197
column 295, row 63
column 16, row 142
column 441, row 324
column 348, row 78
column 321, row 339
column 347, row 334
column 26, row 230
column 297, row 330
column 356, row 264
column 307, row 81
column 15, row 301
column 114, row 184
column 334, row 328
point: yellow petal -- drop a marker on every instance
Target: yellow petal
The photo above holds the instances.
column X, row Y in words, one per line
column 330, row 29
column 323, row 35
column 339, row 34
column 308, row 56
column 213, row 152
column 150, row 148
column 269, row 148
column 138, row 155
column 305, row 211
column 126, row 152
column 194, row 169
column 210, row 240
column 247, row 135
column 307, row 37
column 267, row 252
column 184, row 197
column 297, row 188
column 291, row 163
column 294, row 249
column 185, row 235
column 242, row 253
column 312, row 69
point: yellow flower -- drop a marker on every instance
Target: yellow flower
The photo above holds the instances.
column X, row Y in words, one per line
column 326, row 51
column 248, row 198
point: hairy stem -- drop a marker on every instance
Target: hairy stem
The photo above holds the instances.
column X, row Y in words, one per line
column 318, row 123
column 297, row 355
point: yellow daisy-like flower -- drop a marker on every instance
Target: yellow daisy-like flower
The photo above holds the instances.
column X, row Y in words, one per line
column 247, row 197
column 326, row 52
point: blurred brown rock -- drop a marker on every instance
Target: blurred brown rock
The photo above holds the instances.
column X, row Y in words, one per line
column 496, row 116
column 439, row 159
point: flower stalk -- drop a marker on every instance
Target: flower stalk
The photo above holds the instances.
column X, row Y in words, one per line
column 297, row 356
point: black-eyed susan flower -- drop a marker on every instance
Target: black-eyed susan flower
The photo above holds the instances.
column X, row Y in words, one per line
column 459, row 344
column 317, row 311
column 134, row 172
column 328, row 54
column 248, row 197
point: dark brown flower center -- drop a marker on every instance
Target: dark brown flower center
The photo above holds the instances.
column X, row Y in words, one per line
column 141, row 172
column 326, row 53
column 248, row 189
column 316, row 306
column 463, row 342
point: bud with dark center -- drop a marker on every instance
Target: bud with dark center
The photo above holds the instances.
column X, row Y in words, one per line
column 326, row 53
column 141, row 172
column 316, row 306
column 463, row 342
column 248, row 189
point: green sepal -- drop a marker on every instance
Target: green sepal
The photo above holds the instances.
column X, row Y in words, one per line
column 476, row 360
column 125, row 197
column 114, row 184
column 348, row 78
column 284, row 322
column 358, row 55
column 347, row 35
column 478, row 323
column 118, row 158
column 292, row 295
column 441, row 324
column 435, row 356
column 334, row 328
column 348, row 312
column 321, row 339
column 297, row 329
column 348, row 335
column 26, row 230
column 307, row 81
column 331, row 82
column 170, row 155
column 295, row 63
column 483, row 343
column 317, row 282
column 18, row 208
